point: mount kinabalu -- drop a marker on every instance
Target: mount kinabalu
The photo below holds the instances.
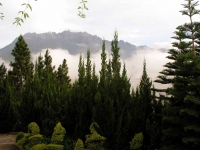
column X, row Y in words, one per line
column 74, row 42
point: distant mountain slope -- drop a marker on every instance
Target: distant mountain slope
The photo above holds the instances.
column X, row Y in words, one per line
column 74, row 42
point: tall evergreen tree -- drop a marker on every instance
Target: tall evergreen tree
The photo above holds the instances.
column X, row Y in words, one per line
column 21, row 71
column 62, row 73
column 116, row 65
column 22, row 67
column 178, row 74
column 146, row 104
column 79, row 98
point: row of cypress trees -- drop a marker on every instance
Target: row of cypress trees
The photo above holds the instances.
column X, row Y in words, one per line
column 43, row 94
column 168, row 118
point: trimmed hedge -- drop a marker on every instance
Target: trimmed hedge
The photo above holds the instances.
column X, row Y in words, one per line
column 55, row 147
column 58, row 134
column 33, row 128
column 39, row 147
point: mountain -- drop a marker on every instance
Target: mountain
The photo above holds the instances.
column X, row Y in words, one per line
column 74, row 42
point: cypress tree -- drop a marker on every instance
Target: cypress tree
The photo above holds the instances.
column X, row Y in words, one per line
column 146, row 104
column 21, row 71
column 22, row 67
column 62, row 73
column 79, row 99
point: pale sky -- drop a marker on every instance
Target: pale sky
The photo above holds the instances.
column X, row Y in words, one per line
column 139, row 22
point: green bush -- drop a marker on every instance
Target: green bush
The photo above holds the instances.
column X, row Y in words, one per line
column 33, row 128
column 58, row 134
column 36, row 139
column 39, row 147
column 79, row 145
column 55, row 147
column 137, row 141
column 19, row 136
column 21, row 144
column 25, row 141
column 94, row 140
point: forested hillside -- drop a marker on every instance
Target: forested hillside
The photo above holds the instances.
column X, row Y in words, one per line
column 101, row 111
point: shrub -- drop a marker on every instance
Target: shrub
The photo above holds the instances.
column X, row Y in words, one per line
column 21, row 144
column 58, row 134
column 79, row 145
column 19, row 136
column 33, row 128
column 55, row 147
column 94, row 140
column 137, row 141
column 36, row 139
column 39, row 147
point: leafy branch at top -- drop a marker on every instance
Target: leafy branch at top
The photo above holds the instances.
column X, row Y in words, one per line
column 24, row 14
column 82, row 8
column 1, row 14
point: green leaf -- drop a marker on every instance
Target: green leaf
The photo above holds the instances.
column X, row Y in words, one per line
column 23, row 4
column 29, row 6
column 85, row 8
column 27, row 15
column 17, row 18
column 22, row 20
column 21, row 12
column 79, row 7
column 0, row 4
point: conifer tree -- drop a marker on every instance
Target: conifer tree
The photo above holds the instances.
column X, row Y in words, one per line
column 21, row 71
column 178, row 74
column 7, row 116
column 115, row 99
column 22, row 67
column 103, row 70
column 31, row 106
column 116, row 65
column 62, row 73
column 146, row 106
column 103, row 111
column 79, row 97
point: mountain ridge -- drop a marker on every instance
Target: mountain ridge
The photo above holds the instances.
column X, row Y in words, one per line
column 74, row 42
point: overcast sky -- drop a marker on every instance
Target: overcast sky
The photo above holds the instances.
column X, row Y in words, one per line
column 139, row 22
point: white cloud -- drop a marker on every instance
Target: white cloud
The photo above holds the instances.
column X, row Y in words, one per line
column 58, row 55
column 158, row 45
column 5, row 63
column 154, row 60
column 154, row 64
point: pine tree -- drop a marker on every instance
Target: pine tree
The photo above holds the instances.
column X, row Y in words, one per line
column 22, row 67
column 62, row 73
column 178, row 73
column 146, row 104
column 188, row 77
column 79, row 98
column 116, row 65
column 21, row 71
column 103, row 70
